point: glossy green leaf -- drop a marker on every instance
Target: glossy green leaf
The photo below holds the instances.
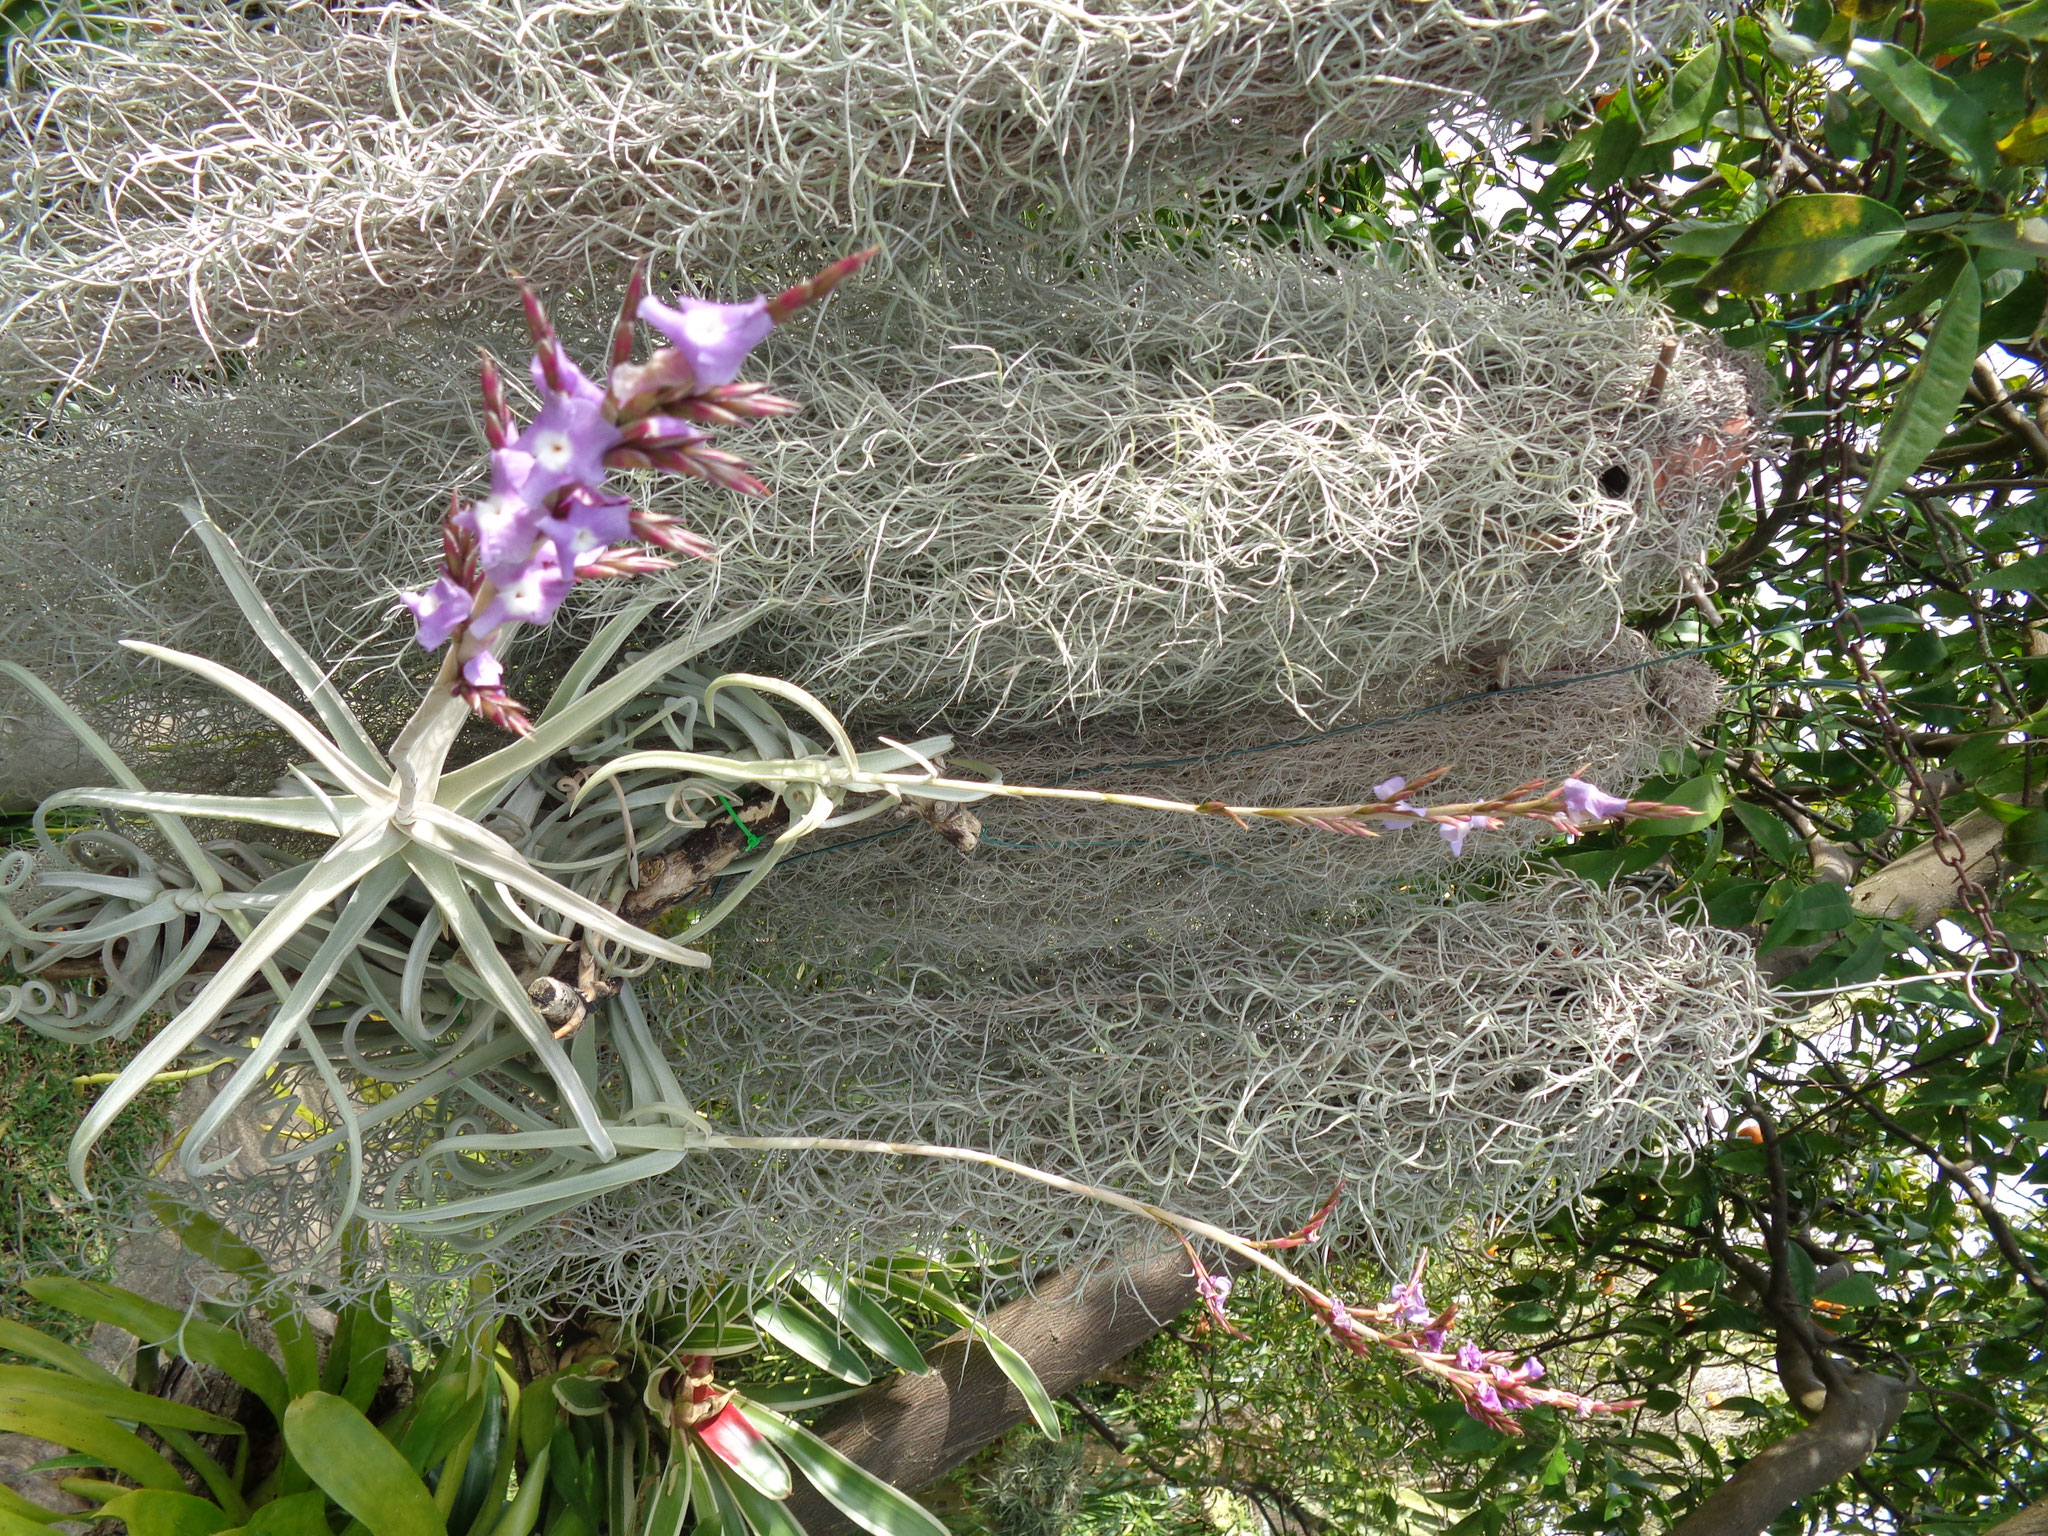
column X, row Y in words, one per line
column 857, row 1493
column 196, row 1338
column 1813, row 240
column 1930, row 105
column 1704, row 794
column 804, row 1334
column 865, row 1318
column 712, row 1338
column 37, row 1345
column 1694, row 95
column 729, row 1437
column 14, row 1504
column 1927, row 402
column 160, row 1512
column 358, row 1468
column 1769, row 830
column 2025, row 842
column 1856, row 1290
column 1821, row 908
column 670, row 1505
column 13, row 1524
column 523, row 1513
column 2029, row 573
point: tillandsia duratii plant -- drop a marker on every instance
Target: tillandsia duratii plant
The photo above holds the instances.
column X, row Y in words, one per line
column 394, row 996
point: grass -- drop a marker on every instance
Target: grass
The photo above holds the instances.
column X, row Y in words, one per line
column 43, row 1221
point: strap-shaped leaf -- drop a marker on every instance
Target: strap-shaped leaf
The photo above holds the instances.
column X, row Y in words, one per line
column 274, row 709
column 37, row 1345
column 856, row 1492
column 864, row 1317
column 1008, row 1361
column 809, row 1337
column 346, row 862
column 728, row 1437
column 358, row 1468
column 1927, row 403
column 86, row 1430
column 182, row 1333
column 340, row 721
column 115, row 1402
column 295, row 1514
column 302, row 814
column 160, row 1512
column 12, row 1503
column 764, row 1516
column 470, row 788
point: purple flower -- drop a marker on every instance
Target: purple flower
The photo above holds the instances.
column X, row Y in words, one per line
column 505, row 527
column 1386, row 789
column 1471, row 1357
column 440, row 610
column 1214, row 1289
column 1488, row 1398
column 567, row 442
column 577, row 385
column 1433, row 1340
column 584, row 522
column 1454, row 831
column 1340, row 1320
column 483, row 670
column 714, row 339
column 1585, row 802
column 531, row 596
column 1410, row 1310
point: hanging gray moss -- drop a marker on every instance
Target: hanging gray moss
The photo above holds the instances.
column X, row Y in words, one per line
column 211, row 180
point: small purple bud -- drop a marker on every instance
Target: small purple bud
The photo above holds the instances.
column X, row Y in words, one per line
column 483, row 670
column 1585, row 802
column 440, row 610
column 713, row 339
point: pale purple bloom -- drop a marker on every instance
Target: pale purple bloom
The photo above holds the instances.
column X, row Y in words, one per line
column 1454, row 831
column 440, row 610
column 1386, row 789
column 1340, row 1320
column 1585, row 802
column 505, row 526
column 1410, row 1310
column 510, row 470
column 1214, row 1289
column 1471, row 1357
column 714, row 339
column 578, row 385
column 1488, row 1397
column 1530, row 1369
column 531, row 596
column 584, row 522
column 483, row 670
column 1433, row 1340
column 567, row 442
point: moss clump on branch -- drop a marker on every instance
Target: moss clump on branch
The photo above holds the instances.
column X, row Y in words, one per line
column 208, row 180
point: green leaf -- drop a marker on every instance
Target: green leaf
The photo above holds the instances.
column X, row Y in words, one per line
column 1857, row 1289
column 81, row 1429
column 2028, row 574
column 1927, row 401
column 2025, row 842
column 37, row 1345
column 2023, row 23
column 1769, row 830
column 358, row 1468
column 159, row 1512
column 715, row 1338
column 1012, row 1364
column 1934, row 107
column 1694, row 94
column 862, row 1316
column 196, row 1338
column 1799, row 1269
column 801, row 1331
column 1704, row 794
column 116, row 1402
column 295, row 1514
column 1820, row 908
column 863, row 1498
column 1813, row 240
column 1689, row 1277
column 764, row 1516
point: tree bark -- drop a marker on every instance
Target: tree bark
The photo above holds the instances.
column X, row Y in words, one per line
column 1849, row 1427
column 909, row 1430
column 2031, row 1521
